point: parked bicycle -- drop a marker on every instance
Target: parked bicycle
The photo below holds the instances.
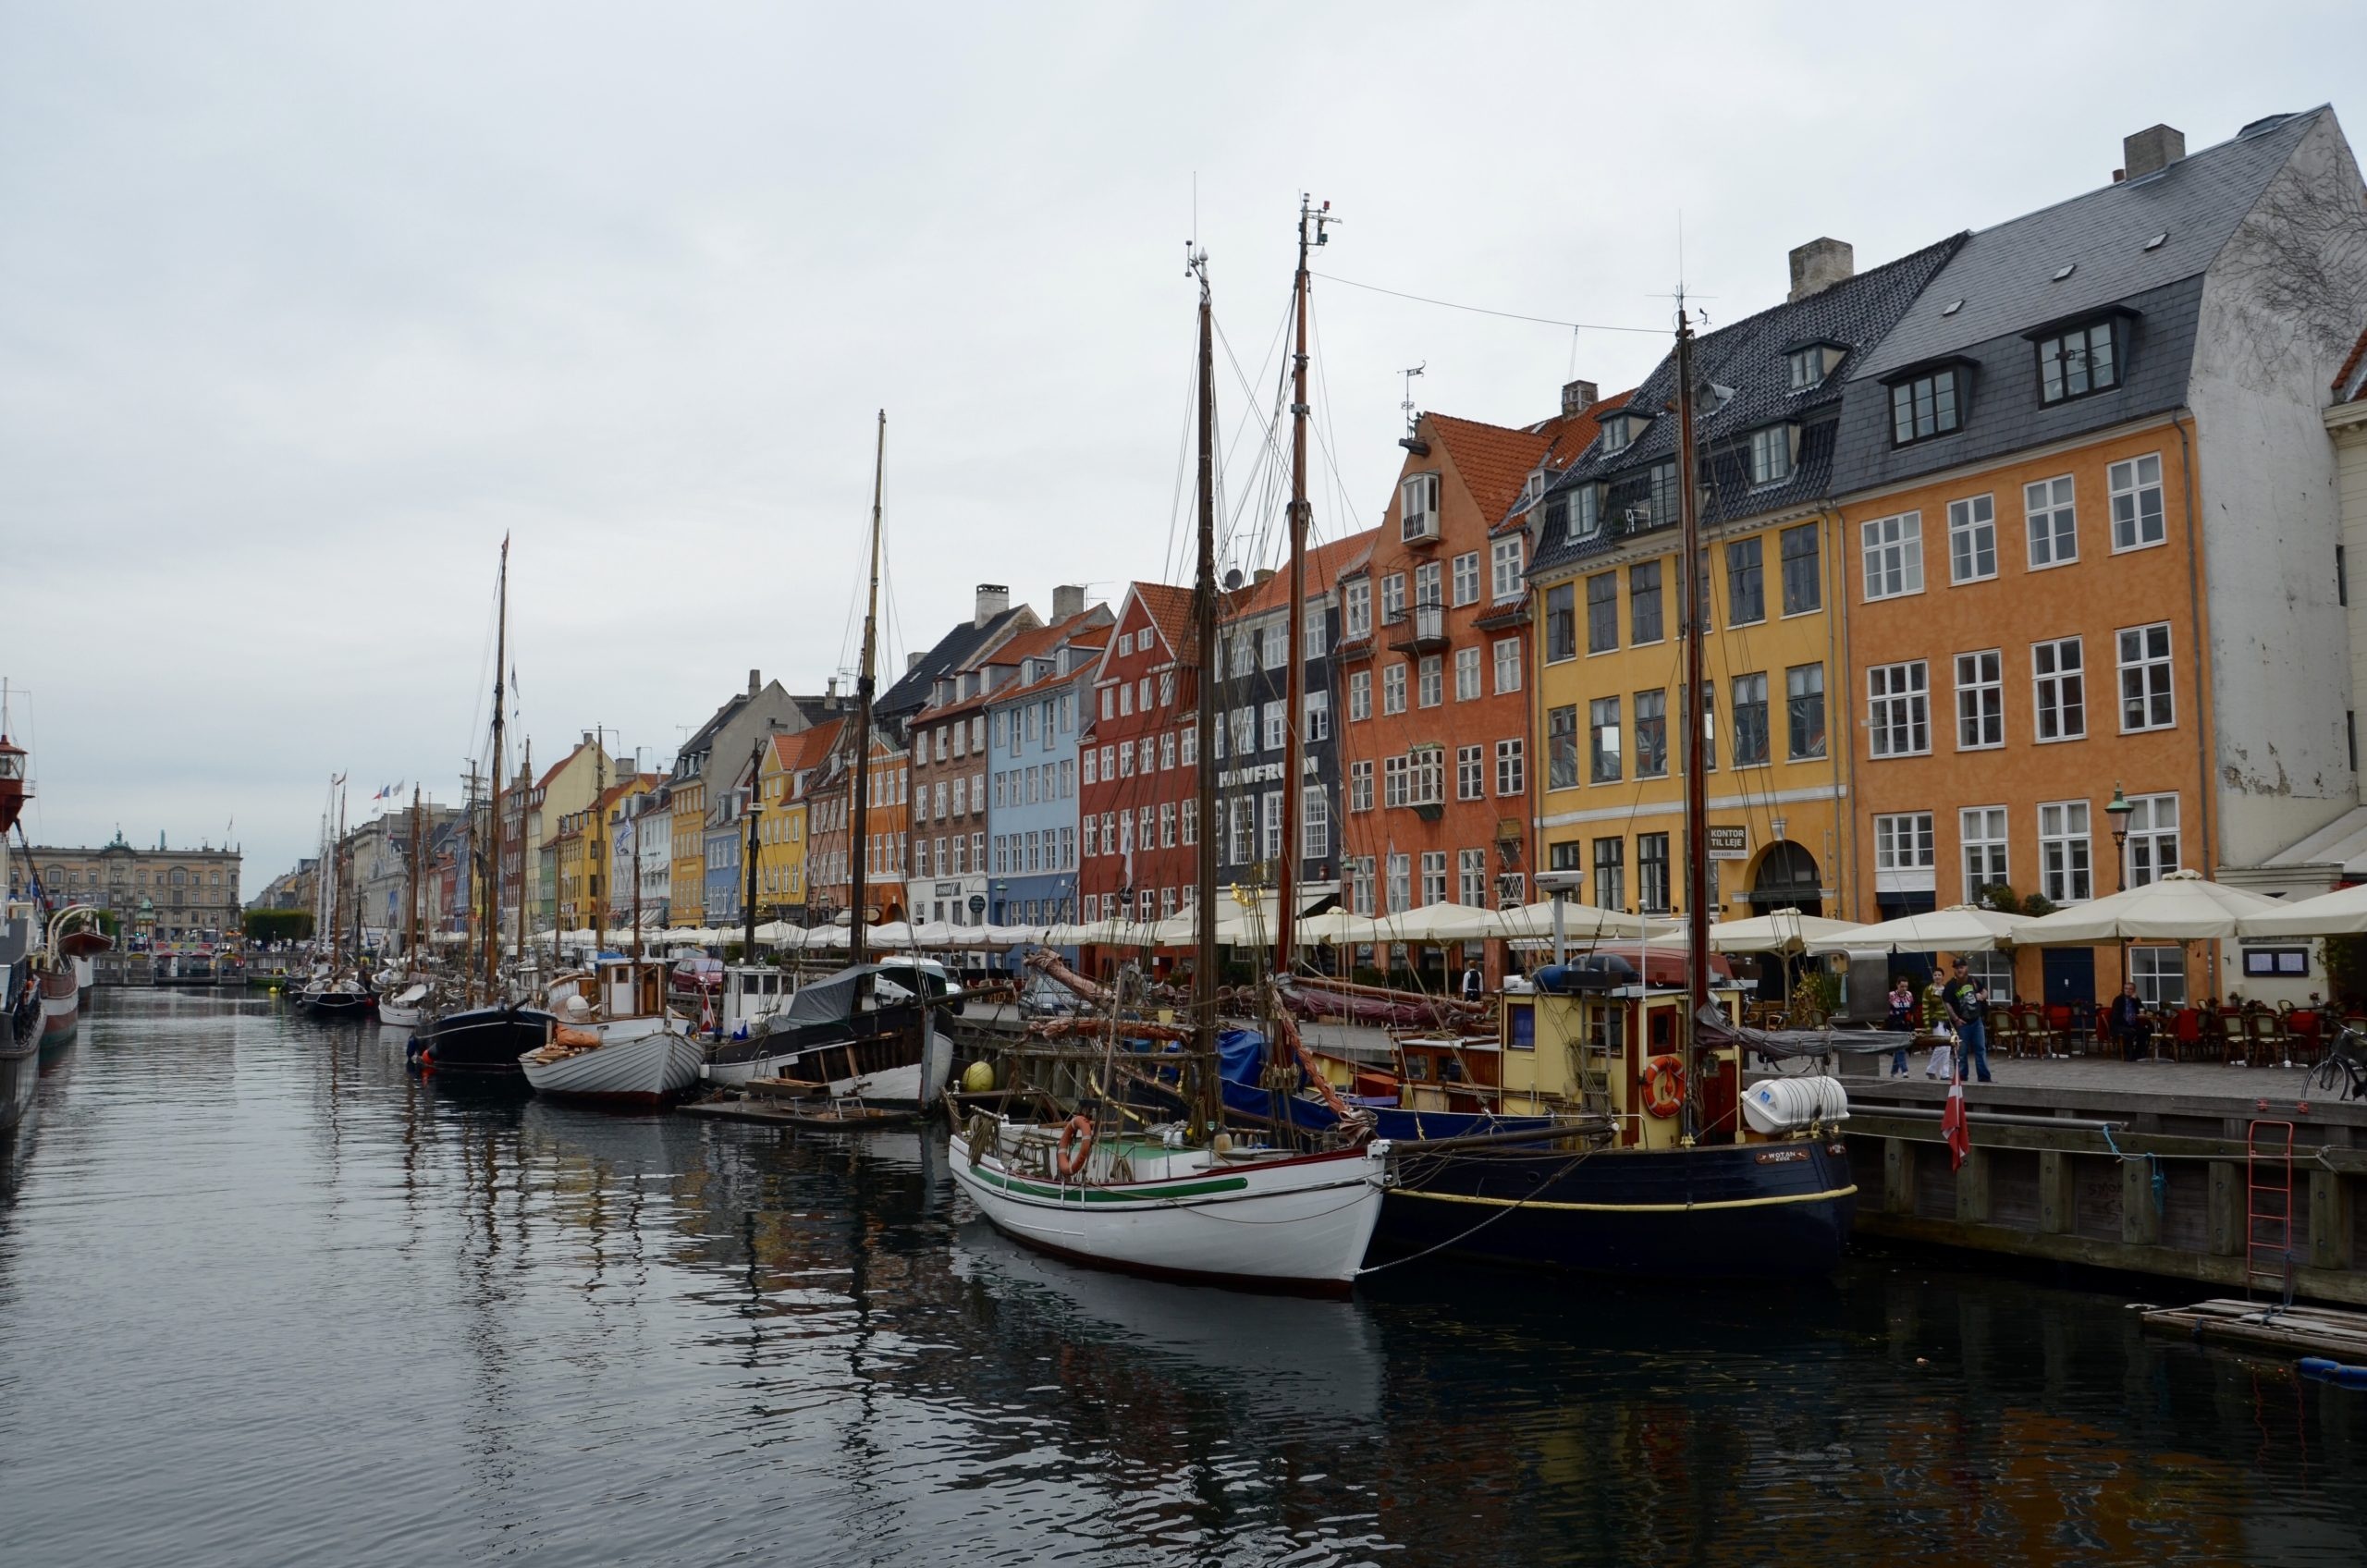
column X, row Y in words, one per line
column 2345, row 1067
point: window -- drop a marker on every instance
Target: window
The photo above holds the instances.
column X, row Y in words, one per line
column 1663, row 501
column 1394, row 773
column 2159, row 974
column 2135, row 491
column 2145, row 700
column 1359, row 695
column 1619, row 431
column 1898, row 708
column 1393, row 597
column 1400, row 881
column 1894, row 552
column 1470, row 772
column 1191, row 826
column 1355, row 609
column 1314, row 824
column 1165, row 699
column 1430, row 681
column 1651, row 873
column 1561, row 747
column 1602, row 740
column 1709, row 725
column 2074, row 363
column 1512, row 766
column 2153, row 838
column 1980, row 699
column 1586, row 511
column 1651, row 734
column 1981, row 830
column 1560, row 622
column 1507, row 665
column 1804, row 368
column 1433, row 877
column 1804, row 711
column 1603, row 612
column 1166, row 831
column 1360, row 786
column 1125, row 643
column 1360, row 868
column 1313, row 631
column 1319, row 718
column 1090, row 757
column 1241, row 838
column 1750, row 720
column 1392, row 688
column 2054, row 522
column 1466, row 578
column 1972, row 539
column 1426, row 775
column 1420, row 511
column 1903, row 848
column 1770, row 454
column 1923, row 407
column 1611, row 874
column 1746, row 582
column 1471, row 877
column 1426, row 584
column 1274, row 725
column 1504, row 563
column 1188, row 752
column 1269, row 819
column 1126, row 757
column 1274, row 651
column 2056, row 673
column 1644, row 603
column 2063, row 850
column 1803, row 576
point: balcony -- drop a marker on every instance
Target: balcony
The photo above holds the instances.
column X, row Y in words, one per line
column 1423, row 630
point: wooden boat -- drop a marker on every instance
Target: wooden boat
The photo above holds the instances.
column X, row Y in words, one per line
column 614, row 1039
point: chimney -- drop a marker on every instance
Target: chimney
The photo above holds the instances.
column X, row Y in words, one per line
column 1264, row 572
column 912, row 661
column 2152, row 150
column 830, row 693
column 587, row 737
column 993, row 599
column 755, row 682
column 1068, row 600
column 1577, row 397
column 1818, row 265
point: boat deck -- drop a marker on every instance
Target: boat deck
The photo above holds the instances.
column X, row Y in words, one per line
column 2300, row 1330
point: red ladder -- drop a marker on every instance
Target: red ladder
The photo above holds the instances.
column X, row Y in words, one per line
column 2268, row 1209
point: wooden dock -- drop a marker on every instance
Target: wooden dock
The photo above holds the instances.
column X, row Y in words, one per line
column 2300, row 1330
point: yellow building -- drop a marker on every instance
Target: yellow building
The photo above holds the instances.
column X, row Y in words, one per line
column 688, row 822
column 791, row 764
column 567, row 845
column 1609, row 615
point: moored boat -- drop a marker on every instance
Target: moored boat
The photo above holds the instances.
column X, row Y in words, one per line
column 25, row 963
column 863, row 1032
column 617, row 1044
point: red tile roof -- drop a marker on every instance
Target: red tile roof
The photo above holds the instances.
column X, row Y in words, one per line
column 807, row 748
column 1495, row 462
column 1326, row 564
column 1170, row 611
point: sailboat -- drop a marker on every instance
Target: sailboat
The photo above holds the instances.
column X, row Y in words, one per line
column 334, row 990
column 487, row 1038
column 37, row 986
column 405, row 993
column 1185, row 1199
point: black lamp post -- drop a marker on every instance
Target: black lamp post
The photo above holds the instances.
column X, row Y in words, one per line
column 2120, row 811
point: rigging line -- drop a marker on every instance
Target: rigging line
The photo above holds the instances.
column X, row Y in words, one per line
column 1328, row 434
column 1482, row 310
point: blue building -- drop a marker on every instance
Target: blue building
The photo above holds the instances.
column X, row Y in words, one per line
column 1032, row 771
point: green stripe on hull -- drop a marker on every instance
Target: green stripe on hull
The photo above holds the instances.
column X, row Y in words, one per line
column 1108, row 1194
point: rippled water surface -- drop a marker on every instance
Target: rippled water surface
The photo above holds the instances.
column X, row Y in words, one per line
column 266, row 1299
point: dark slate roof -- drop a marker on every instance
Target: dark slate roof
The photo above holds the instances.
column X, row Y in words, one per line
column 910, row 691
column 1749, row 359
column 2006, row 277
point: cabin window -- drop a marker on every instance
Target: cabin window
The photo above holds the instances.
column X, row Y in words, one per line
column 1521, row 1031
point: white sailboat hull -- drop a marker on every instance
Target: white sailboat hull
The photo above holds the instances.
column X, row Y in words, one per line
column 886, row 1086
column 1297, row 1224
column 645, row 1064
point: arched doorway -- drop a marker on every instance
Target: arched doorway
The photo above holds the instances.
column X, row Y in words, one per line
column 1787, row 878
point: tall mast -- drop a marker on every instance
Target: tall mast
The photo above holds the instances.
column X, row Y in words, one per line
column 410, row 919
column 1311, row 221
column 493, row 812
column 525, row 805
column 858, row 827
column 1697, row 831
column 755, row 796
column 1206, row 1109
column 634, row 862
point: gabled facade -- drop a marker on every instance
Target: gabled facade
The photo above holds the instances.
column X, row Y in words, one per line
column 1609, row 612
column 1138, row 816
column 833, row 842
column 792, row 766
column 1033, row 725
column 726, row 744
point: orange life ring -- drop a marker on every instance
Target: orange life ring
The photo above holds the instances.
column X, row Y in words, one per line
column 1664, row 1085
column 1076, row 1144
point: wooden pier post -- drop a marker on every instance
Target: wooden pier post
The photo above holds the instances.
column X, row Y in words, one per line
column 2225, row 1226
column 1972, row 1187
column 1898, row 1176
column 2055, row 1192
column 2330, row 1220
column 2140, row 1222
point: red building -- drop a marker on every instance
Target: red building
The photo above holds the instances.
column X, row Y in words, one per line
column 1138, row 757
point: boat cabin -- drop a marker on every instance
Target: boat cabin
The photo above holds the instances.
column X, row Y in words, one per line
column 1598, row 1035
column 612, row 987
column 752, row 991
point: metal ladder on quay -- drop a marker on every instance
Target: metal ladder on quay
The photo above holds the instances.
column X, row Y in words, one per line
column 2268, row 1211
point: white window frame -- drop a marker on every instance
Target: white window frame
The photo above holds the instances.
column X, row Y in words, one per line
column 2065, row 855
column 1893, row 551
column 2056, row 542
column 1360, row 786
column 1770, row 455
column 1470, row 773
column 1466, row 578
column 1512, row 766
column 2154, row 848
column 1506, row 557
column 2128, row 484
column 2048, row 685
column 1905, row 852
column 2147, row 678
column 1980, row 699
column 1972, row 533
column 1508, row 672
column 1392, row 688
column 2151, row 969
column 1983, row 848
column 1359, row 695
column 1429, row 681
column 1466, row 675
column 1898, row 708
column 1355, row 609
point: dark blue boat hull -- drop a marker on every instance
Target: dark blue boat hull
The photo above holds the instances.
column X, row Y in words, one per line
column 483, row 1042
column 1731, row 1211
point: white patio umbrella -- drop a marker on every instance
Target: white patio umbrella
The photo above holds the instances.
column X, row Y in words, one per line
column 1779, row 931
column 773, row 933
column 1960, row 929
column 2342, row 912
column 1580, row 923
column 2180, row 907
column 1439, row 922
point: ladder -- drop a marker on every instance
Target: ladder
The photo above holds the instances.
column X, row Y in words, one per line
column 2268, row 1209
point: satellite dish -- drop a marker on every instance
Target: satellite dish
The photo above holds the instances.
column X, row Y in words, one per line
column 1231, row 578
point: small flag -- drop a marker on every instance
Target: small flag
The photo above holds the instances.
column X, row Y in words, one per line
column 1952, row 1119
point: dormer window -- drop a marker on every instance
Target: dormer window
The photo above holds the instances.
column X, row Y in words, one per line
column 1926, row 404
column 1770, row 454
column 2082, row 360
column 1586, row 512
column 1807, row 366
column 1619, row 432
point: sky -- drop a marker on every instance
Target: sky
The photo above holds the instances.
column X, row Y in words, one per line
column 304, row 308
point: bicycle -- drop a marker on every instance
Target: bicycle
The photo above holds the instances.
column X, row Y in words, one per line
column 2345, row 1067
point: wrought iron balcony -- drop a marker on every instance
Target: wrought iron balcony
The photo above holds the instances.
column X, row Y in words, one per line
column 1422, row 631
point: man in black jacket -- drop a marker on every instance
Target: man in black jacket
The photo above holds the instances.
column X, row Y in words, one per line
column 1968, row 1010
column 2129, row 1024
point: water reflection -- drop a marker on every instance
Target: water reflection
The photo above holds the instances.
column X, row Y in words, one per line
column 440, row 1326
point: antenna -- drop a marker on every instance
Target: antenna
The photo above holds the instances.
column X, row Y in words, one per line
column 1408, row 404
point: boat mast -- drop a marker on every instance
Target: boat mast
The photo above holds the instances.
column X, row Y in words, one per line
column 858, row 827
column 410, row 920
column 492, row 810
column 337, row 880
column 1206, row 1109
column 756, row 795
column 1697, row 831
column 525, row 805
column 1311, row 222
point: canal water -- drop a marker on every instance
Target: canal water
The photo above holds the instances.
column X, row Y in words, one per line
column 266, row 1298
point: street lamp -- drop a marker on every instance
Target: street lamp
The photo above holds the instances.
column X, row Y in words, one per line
column 2120, row 811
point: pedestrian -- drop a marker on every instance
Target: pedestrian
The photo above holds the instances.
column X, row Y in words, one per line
column 1967, row 1003
column 2130, row 1025
column 1904, row 1015
column 1472, row 985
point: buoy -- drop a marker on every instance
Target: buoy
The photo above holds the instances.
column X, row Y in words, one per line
column 2331, row 1371
column 978, row 1077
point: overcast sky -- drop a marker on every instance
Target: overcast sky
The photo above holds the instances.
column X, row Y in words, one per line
column 303, row 307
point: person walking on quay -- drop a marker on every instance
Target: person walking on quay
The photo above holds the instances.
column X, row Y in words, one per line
column 1966, row 1004
column 1904, row 1014
column 2130, row 1025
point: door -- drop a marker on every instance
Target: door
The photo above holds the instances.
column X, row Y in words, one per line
column 2070, row 975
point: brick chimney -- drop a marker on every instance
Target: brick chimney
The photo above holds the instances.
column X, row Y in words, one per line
column 755, row 682
column 2152, row 150
column 993, row 599
column 1068, row 599
column 1819, row 265
column 1577, row 397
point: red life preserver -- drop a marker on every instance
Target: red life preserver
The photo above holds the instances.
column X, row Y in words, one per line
column 1076, row 1144
column 1664, row 1085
